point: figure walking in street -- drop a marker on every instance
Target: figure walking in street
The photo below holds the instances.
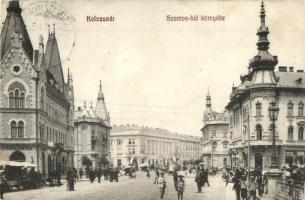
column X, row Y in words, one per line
column 162, row 185
column 91, row 175
column 198, row 179
column 156, row 176
column 58, row 177
column 2, row 183
column 70, row 180
column 80, row 173
column 99, row 174
column 175, row 177
column 205, row 174
column 180, row 187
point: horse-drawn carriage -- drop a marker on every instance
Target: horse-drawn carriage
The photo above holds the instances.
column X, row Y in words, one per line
column 130, row 171
column 16, row 174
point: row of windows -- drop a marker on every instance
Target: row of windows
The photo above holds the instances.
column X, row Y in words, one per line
column 55, row 113
column 52, row 134
column 289, row 109
column 259, row 132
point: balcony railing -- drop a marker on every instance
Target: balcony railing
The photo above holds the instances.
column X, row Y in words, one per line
column 295, row 141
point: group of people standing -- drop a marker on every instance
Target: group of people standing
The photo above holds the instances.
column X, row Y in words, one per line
column 241, row 186
column 201, row 178
column 179, row 183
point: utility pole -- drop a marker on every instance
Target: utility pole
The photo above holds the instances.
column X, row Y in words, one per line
column 248, row 130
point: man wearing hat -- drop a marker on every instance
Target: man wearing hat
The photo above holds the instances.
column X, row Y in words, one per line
column 2, row 183
column 243, row 187
column 162, row 185
column 252, row 186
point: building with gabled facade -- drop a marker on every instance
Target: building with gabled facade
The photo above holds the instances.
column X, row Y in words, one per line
column 36, row 104
column 248, row 110
column 92, row 133
column 215, row 137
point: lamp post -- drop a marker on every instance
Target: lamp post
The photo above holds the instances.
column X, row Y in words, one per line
column 273, row 114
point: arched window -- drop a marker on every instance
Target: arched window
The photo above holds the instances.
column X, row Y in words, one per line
column 20, row 129
column 290, row 133
column 259, row 132
column 301, row 133
column 301, row 109
column 16, row 95
column 290, row 109
column 258, row 109
column 11, row 100
column 21, row 100
column 13, row 129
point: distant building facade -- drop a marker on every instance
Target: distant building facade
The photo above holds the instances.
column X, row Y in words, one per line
column 137, row 145
column 248, row 110
column 215, row 139
column 36, row 104
column 92, row 134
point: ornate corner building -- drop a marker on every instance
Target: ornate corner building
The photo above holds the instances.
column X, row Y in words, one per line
column 215, row 137
column 36, row 104
column 92, row 134
column 248, row 110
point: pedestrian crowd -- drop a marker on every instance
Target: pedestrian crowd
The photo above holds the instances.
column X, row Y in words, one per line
column 246, row 185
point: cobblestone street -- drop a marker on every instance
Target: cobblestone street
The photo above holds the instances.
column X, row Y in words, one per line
column 126, row 189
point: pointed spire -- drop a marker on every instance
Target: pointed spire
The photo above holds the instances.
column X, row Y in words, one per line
column 14, row 24
column 100, row 95
column 49, row 30
column 100, row 109
column 53, row 30
column 263, row 60
column 208, row 103
column 13, row 6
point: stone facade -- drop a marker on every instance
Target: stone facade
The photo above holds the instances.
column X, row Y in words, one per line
column 36, row 106
column 215, row 139
column 137, row 145
column 249, row 116
column 92, row 133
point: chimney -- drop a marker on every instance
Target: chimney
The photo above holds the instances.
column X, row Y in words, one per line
column 291, row 69
column 282, row 68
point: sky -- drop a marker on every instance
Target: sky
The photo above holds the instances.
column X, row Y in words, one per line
column 155, row 72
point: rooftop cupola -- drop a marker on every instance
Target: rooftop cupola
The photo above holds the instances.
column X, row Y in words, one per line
column 263, row 63
column 263, row 60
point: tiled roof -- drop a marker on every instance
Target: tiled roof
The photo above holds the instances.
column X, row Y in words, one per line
column 152, row 132
column 291, row 79
column 14, row 23
column 52, row 59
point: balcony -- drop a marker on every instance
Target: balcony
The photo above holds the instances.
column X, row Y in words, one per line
column 295, row 142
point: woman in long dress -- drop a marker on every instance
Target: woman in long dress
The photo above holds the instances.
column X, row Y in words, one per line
column 230, row 192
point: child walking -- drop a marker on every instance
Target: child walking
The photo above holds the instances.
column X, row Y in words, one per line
column 180, row 187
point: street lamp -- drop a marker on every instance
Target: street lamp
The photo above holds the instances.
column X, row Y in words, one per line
column 273, row 114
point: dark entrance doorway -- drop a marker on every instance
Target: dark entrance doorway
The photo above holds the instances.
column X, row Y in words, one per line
column 17, row 156
column 258, row 161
